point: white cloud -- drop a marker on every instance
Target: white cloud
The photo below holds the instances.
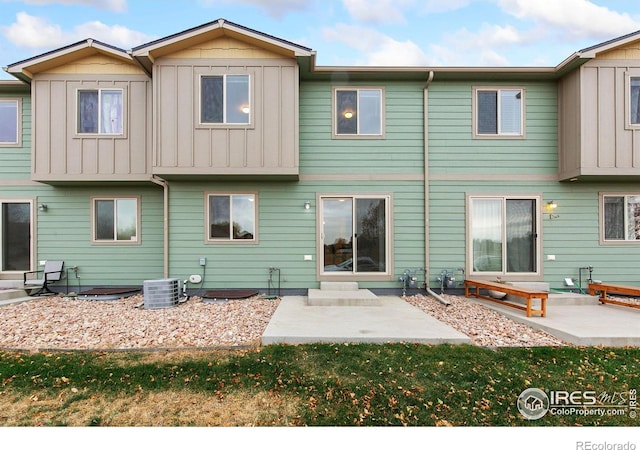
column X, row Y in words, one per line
column 481, row 48
column 274, row 8
column 110, row 5
column 377, row 48
column 37, row 33
column 377, row 11
column 577, row 19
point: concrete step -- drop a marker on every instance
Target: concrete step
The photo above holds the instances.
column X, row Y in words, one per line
column 13, row 296
column 325, row 297
column 338, row 286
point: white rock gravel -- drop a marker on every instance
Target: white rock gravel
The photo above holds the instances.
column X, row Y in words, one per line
column 66, row 323
column 484, row 326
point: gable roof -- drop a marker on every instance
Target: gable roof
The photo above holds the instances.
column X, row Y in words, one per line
column 24, row 70
column 146, row 53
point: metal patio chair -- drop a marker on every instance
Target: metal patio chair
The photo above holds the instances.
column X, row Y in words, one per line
column 36, row 282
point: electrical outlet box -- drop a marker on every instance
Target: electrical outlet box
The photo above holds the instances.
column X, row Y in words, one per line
column 42, row 263
column 308, row 257
column 551, row 257
column 203, row 261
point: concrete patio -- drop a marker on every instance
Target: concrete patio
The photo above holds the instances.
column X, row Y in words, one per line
column 339, row 314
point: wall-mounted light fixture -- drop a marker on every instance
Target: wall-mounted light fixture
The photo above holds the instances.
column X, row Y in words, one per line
column 42, row 207
column 307, row 205
column 550, row 207
column 348, row 114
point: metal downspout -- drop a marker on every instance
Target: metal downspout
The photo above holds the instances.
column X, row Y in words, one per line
column 426, row 192
column 426, row 178
column 165, row 186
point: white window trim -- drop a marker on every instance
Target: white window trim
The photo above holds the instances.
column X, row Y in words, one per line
column 99, row 90
column 334, row 111
column 18, row 142
column 224, row 241
column 601, row 219
column 95, row 241
column 224, row 123
column 505, row 275
column 499, row 135
column 632, row 73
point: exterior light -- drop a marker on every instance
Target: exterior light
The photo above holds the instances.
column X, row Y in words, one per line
column 307, row 205
column 550, row 207
column 42, row 207
column 348, row 115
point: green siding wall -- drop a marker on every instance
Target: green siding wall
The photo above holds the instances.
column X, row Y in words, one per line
column 15, row 162
column 460, row 165
column 453, row 150
column 286, row 232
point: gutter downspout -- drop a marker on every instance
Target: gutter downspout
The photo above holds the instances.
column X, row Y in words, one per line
column 426, row 192
column 165, row 187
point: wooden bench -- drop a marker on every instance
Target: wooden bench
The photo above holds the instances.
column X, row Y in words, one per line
column 527, row 294
column 604, row 288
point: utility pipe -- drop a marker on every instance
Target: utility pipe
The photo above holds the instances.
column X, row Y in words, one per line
column 437, row 297
column 165, row 187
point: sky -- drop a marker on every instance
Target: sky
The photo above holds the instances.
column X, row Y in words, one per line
column 342, row 32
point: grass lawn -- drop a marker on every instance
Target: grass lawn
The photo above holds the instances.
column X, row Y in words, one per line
column 315, row 385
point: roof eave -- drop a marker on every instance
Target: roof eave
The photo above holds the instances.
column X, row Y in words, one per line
column 24, row 70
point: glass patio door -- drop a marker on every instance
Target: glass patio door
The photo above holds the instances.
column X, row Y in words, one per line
column 16, row 236
column 354, row 234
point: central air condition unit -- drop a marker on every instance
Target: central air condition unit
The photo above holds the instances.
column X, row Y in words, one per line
column 162, row 293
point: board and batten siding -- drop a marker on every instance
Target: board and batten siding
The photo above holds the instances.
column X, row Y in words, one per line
column 596, row 138
column 61, row 154
column 266, row 146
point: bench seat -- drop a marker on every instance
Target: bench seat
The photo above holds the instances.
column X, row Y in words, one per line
column 527, row 294
column 605, row 288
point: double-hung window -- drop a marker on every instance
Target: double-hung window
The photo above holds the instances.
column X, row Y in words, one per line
column 499, row 112
column 100, row 111
column 9, row 122
column 634, row 101
column 231, row 217
column 503, row 236
column 224, row 99
column 116, row 220
column 358, row 112
column 621, row 217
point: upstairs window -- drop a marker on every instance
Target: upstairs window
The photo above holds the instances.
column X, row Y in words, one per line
column 232, row 217
column 224, row 99
column 358, row 112
column 9, row 122
column 115, row 220
column 621, row 217
column 100, row 111
column 498, row 112
column 634, row 101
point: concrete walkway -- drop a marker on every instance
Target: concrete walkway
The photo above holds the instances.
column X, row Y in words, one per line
column 391, row 319
column 584, row 324
column 339, row 316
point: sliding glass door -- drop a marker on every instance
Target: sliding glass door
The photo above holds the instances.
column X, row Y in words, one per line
column 355, row 234
column 16, row 236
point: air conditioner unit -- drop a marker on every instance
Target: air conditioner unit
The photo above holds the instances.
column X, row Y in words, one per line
column 161, row 293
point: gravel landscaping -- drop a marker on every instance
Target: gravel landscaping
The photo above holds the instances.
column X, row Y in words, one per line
column 66, row 323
